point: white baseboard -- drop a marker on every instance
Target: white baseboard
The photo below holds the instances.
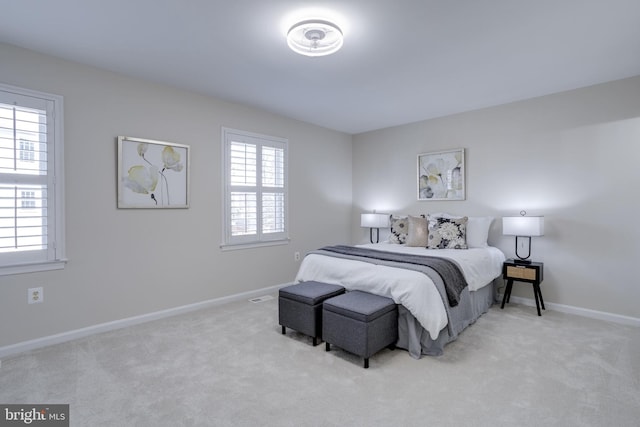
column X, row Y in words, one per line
column 584, row 312
column 13, row 349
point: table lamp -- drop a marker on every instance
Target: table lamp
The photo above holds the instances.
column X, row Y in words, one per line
column 525, row 227
column 374, row 220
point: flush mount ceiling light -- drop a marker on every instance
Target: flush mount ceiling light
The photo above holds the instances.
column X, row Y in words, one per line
column 315, row 37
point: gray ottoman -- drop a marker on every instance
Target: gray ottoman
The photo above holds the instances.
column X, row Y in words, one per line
column 360, row 323
column 300, row 307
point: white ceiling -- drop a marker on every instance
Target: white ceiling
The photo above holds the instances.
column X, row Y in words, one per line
column 402, row 60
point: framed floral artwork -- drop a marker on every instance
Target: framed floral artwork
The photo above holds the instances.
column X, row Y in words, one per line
column 152, row 174
column 441, row 175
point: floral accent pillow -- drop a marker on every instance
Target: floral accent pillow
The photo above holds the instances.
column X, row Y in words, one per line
column 447, row 233
column 399, row 230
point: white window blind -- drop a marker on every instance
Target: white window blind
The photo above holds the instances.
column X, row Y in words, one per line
column 30, row 169
column 255, row 188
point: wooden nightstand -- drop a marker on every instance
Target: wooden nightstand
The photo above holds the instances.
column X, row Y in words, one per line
column 530, row 273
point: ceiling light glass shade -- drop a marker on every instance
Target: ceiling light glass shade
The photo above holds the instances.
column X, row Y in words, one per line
column 374, row 220
column 315, row 37
column 523, row 226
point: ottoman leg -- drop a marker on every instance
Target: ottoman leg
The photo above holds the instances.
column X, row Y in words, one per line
column 283, row 330
column 315, row 341
column 366, row 363
column 327, row 346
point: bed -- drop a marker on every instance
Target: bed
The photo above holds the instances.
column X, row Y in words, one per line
column 427, row 319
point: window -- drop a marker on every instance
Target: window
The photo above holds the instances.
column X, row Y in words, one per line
column 27, row 151
column 255, row 189
column 31, row 181
column 28, row 199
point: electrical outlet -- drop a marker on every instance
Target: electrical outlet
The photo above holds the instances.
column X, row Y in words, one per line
column 35, row 295
column 296, row 256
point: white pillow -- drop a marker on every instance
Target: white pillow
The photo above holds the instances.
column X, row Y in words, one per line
column 478, row 231
column 477, row 228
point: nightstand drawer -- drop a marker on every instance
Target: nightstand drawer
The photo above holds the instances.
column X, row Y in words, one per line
column 514, row 272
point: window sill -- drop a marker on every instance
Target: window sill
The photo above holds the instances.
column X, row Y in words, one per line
column 32, row 268
column 235, row 247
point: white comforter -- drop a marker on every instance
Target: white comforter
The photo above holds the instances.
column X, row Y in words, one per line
column 414, row 290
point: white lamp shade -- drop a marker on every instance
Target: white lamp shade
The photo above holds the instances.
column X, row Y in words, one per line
column 374, row 220
column 523, row 225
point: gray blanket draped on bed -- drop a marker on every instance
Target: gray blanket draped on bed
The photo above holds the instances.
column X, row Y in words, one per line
column 454, row 281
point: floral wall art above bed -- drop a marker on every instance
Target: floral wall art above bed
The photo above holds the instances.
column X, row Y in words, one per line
column 441, row 175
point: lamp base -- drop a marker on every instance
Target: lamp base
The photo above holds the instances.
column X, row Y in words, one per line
column 523, row 260
column 377, row 235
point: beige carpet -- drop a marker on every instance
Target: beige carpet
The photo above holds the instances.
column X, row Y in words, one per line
column 230, row 366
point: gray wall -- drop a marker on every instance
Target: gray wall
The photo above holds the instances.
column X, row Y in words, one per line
column 125, row 263
column 572, row 157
